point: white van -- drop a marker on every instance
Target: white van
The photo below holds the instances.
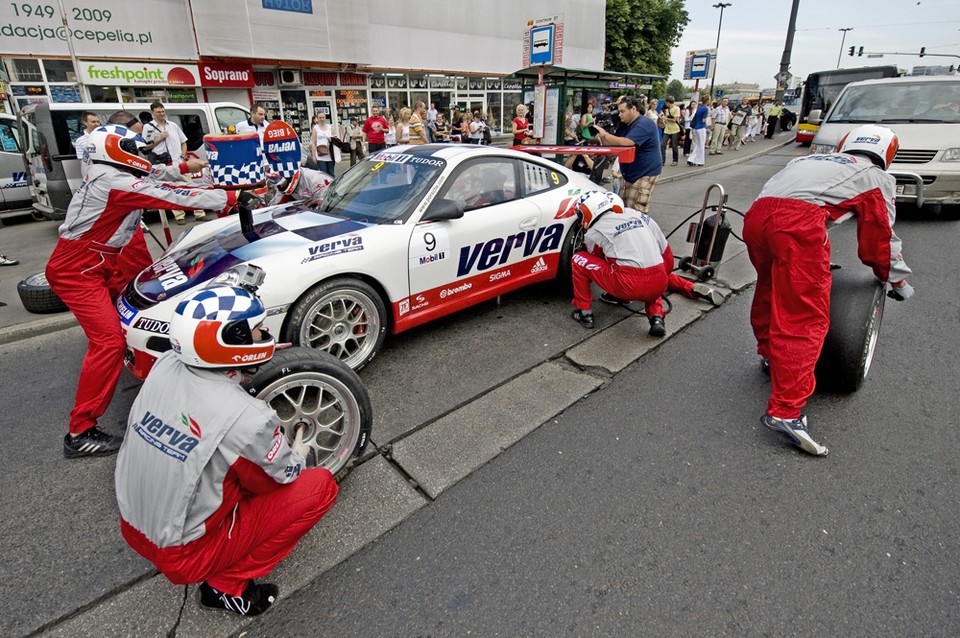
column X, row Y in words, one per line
column 14, row 192
column 924, row 111
column 49, row 130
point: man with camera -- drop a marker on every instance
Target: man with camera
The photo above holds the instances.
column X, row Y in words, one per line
column 638, row 176
column 166, row 144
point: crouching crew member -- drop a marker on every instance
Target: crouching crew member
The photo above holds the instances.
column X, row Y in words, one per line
column 786, row 235
column 208, row 488
column 627, row 255
column 86, row 273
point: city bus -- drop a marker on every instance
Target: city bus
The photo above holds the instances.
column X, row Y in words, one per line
column 822, row 88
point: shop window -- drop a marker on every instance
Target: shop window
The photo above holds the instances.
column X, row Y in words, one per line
column 27, row 70
column 418, row 96
column 495, row 112
column 102, row 94
column 59, row 71
column 397, row 100
column 229, row 116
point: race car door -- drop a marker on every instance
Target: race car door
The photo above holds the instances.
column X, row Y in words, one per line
column 459, row 262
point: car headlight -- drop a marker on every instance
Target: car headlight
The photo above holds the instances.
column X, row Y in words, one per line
column 229, row 278
column 951, row 155
column 247, row 276
column 823, row 149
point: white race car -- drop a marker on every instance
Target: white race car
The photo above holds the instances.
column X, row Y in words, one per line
column 406, row 236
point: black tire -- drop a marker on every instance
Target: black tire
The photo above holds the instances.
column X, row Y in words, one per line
column 37, row 297
column 571, row 242
column 685, row 262
column 309, row 387
column 344, row 317
column 856, row 311
column 706, row 274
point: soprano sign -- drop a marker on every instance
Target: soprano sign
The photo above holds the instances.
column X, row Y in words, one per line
column 98, row 28
column 136, row 74
column 216, row 75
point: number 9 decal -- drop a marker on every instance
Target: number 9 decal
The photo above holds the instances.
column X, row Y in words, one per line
column 430, row 241
column 377, row 166
column 556, row 180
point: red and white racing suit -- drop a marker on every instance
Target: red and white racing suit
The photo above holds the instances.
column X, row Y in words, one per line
column 207, row 486
column 85, row 271
column 306, row 184
column 786, row 235
column 628, row 256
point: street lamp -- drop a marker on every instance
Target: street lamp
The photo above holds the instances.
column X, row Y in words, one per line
column 721, row 6
column 841, row 43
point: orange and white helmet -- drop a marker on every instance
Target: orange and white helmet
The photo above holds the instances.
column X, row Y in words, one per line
column 119, row 146
column 876, row 142
column 213, row 328
column 592, row 204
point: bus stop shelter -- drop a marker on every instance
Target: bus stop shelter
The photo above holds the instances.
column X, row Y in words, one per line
column 569, row 90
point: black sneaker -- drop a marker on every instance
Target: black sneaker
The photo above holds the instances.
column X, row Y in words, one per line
column 610, row 299
column 765, row 366
column 92, row 442
column 255, row 600
column 585, row 319
column 657, row 326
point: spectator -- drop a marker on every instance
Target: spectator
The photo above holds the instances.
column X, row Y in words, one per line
column 355, row 139
column 255, row 123
column 721, row 117
column 403, row 126
column 476, row 129
column 652, row 112
column 671, row 130
column 698, row 127
column 580, row 163
column 519, row 125
column 738, row 125
column 754, row 124
column 233, row 498
column 390, row 137
column 773, row 116
column 586, row 119
column 166, row 144
column 432, row 113
column 373, row 130
column 418, row 128
column 441, row 130
column 639, row 176
column 324, row 152
column 90, row 121
column 84, row 269
column 569, row 127
column 688, row 113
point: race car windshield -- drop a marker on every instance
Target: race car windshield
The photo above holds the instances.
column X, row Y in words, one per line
column 383, row 189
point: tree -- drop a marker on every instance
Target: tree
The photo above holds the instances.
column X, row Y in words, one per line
column 640, row 35
column 677, row 89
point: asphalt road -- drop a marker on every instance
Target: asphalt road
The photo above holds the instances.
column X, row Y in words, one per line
column 659, row 505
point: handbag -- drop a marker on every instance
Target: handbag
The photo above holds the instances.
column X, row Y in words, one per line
column 159, row 158
column 323, row 149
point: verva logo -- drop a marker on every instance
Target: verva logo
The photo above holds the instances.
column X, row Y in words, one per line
column 486, row 255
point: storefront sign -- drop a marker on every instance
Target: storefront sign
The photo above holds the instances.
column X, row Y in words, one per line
column 98, row 28
column 315, row 78
column 219, row 75
column 353, row 79
column 264, row 78
column 135, row 74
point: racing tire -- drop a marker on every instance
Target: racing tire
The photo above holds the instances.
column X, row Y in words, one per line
column 311, row 388
column 856, row 311
column 37, row 296
column 571, row 242
column 344, row 317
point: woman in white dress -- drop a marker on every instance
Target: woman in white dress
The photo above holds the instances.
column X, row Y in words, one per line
column 324, row 152
column 403, row 126
column 390, row 136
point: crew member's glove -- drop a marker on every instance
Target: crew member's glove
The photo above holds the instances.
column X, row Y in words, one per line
column 900, row 291
column 249, row 201
column 298, row 445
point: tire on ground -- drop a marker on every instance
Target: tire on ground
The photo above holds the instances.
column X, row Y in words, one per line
column 37, row 297
column 311, row 388
column 856, row 311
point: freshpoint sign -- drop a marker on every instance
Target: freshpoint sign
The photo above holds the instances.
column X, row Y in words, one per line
column 138, row 74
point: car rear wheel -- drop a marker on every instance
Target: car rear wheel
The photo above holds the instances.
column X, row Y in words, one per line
column 571, row 242
column 343, row 317
column 311, row 389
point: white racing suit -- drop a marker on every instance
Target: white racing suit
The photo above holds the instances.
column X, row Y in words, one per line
column 305, row 184
column 786, row 235
column 208, row 488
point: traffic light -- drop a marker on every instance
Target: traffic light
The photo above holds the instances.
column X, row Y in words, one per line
column 923, row 51
column 851, row 51
column 860, row 52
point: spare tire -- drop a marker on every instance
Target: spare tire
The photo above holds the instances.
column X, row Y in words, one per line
column 310, row 388
column 37, row 297
column 856, row 310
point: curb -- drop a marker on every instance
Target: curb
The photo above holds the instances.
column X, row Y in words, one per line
column 731, row 162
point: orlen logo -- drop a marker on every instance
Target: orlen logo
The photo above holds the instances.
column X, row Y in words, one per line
column 249, row 358
column 497, row 251
column 449, row 292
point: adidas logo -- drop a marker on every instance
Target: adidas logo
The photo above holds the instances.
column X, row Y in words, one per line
column 540, row 266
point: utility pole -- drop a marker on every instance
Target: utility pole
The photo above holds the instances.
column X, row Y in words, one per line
column 721, row 6
column 841, row 43
column 784, row 76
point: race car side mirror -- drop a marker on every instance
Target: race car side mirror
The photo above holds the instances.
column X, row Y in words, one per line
column 442, row 209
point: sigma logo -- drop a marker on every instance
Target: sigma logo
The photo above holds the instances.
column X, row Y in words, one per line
column 166, row 438
column 449, row 292
column 348, row 244
column 503, row 274
column 867, row 139
column 153, row 325
column 249, row 358
column 540, row 266
column 404, row 307
column 486, row 255
column 429, row 259
column 281, row 147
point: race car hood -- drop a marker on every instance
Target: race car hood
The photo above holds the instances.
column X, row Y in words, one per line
column 185, row 268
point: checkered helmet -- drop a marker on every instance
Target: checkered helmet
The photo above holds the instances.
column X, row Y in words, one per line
column 119, row 146
column 876, row 142
column 213, row 328
column 592, row 204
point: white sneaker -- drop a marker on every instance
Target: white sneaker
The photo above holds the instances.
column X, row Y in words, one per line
column 6, row 261
column 796, row 430
column 705, row 292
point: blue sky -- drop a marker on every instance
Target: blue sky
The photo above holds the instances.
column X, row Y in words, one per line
column 754, row 33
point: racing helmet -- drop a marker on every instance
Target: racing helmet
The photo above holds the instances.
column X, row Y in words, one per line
column 119, row 146
column 876, row 142
column 213, row 328
column 592, row 204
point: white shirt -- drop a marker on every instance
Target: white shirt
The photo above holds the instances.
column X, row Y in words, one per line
column 246, row 126
column 721, row 115
column 80, row 144
column 431, row 115
column 175, row 137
